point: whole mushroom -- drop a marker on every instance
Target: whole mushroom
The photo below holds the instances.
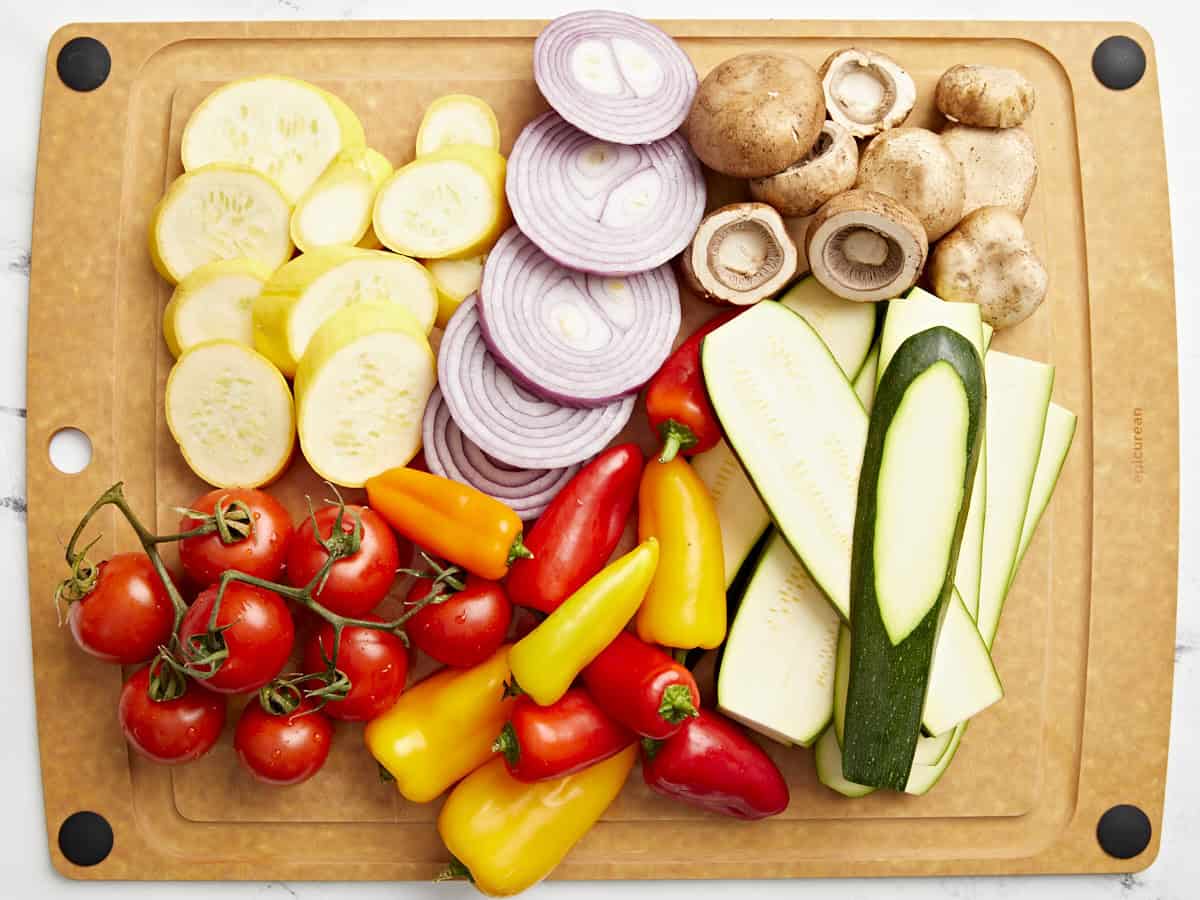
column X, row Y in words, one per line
column 866, row 247
column 829, row 168
column 741, row 254
column 985, row 96
column 915, row 167
column 756, row 114
column 866, row 92
column 989, row 260
column 1000, row 166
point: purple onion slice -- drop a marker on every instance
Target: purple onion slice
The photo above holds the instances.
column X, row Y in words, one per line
column 451, row 454
column 577, row 339
column 614, row 76
column 508, row 422
column 599, row 207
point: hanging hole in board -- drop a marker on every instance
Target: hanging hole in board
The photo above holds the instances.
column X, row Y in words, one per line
column 70, row 450
column 85, row 838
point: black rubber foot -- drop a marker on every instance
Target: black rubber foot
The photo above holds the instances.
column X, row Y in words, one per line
column 1123, row 831
column 83, row 64
column 1119, row 62
column 85, row 838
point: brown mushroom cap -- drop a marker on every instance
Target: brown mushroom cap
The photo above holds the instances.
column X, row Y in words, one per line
column 829, row 168
column 915, row 167
column 1000, row 166
column 866, row 92
column 985, row 96
column 741, row 254
column 988, row 260
column 865, row 246
column 756, row 114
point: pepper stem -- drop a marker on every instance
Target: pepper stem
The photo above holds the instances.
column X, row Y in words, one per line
column 518, row 550
column 454, row 871
column 508, row 744
column 650, row 748
column 677, row 704
column 675, row 436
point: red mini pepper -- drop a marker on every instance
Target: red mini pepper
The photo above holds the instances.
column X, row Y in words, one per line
column 642, row 687
column 711, row 763
column 677, row 401
column 541, row 742
column 573, row 539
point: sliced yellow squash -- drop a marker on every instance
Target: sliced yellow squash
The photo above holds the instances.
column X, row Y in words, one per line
column 361, row 391
column 287, row 129
column 447, row 204
column 337, row 209
column 219, row 212
column 456, row 280
column 214, row 303
column 303, row 294
column 231, row 413
column 457, row 119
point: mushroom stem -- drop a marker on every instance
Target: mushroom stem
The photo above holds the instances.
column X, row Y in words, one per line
column 865, row 247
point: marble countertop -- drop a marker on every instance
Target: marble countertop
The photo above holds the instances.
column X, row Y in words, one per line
column 25, row 29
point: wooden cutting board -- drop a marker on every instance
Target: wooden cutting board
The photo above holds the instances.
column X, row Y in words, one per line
column 1085, row 648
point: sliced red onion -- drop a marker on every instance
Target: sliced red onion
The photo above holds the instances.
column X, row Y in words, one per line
column 508, row 422
column 615, row 76
column 580, row 340
column 599, row 207
column 451, row 454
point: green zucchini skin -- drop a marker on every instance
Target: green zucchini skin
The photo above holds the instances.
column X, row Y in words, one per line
column 887, row 682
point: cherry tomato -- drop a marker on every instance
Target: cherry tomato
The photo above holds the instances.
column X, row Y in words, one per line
column 283, row 749
column 170, row 731
column 258, row 633
column 126, row 615
column 465, row 628
column 376, row 662
column 261, row 553
column 356, row 583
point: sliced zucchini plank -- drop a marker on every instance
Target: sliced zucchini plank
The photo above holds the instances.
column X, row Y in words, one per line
column 743, row 517
column 930, row 750
column 864, row 381
column 841, row 684
column 848, row 328
column 828, row 760
column 231, row 413
column 302, row 295
column 361, row 391
column 923, row 778
column 284, row 128
column 457, row 119
column 1018, row 398
column 777, row 673
column 918, row 311
column 1056, row 442
column 962, row 678
column 219, row 212
column 214, row 303
column 792, row 418
column 925, row 430
column 337, row 209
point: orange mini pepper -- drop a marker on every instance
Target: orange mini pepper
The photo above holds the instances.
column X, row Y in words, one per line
column 685, row 605
column 452, row 520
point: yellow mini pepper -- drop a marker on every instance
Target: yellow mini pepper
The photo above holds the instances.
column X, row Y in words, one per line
column 510, row 834
column 546, row 661
column 443, row 728
column 685, row 606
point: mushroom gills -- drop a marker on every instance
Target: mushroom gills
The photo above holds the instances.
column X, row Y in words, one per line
column 743, row 255
column 864, row 257
column 863, row 92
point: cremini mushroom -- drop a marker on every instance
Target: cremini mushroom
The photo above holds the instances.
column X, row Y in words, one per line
column 985, row 96
column 988, row 260
column 829, row 168
column 756, row 114
column 915, row 167
column 866, row 92
column 1000, row 166
column 741, row 254
column 866, row 246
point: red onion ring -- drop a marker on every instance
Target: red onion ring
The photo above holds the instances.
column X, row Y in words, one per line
column 449, row 453
column 599, row 207
column 508, row 422
column 580, row 340
column 614, row 76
